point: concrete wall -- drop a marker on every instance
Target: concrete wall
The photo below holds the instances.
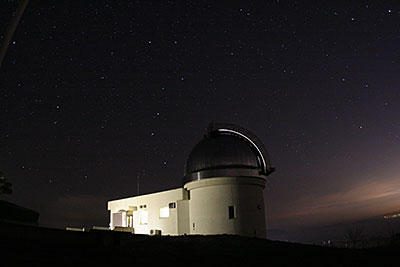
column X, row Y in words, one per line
column 153, row 204
column 206, row 212
column 183, row 217
column 209, row 206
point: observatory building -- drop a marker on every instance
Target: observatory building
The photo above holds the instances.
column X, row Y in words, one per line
column 221, row 193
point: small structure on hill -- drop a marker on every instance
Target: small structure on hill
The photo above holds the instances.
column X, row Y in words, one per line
column 222, row 191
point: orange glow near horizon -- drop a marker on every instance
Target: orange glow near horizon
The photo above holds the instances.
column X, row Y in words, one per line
column 374, row 198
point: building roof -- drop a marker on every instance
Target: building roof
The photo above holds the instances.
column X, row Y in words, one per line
column 227, row 150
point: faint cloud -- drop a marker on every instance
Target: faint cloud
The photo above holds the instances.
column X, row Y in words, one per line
column 363, row 200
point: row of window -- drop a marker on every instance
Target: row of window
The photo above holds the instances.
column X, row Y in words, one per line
column 164, row 213
column 171, row 205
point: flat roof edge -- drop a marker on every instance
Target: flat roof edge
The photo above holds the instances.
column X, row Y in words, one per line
column 154, row 193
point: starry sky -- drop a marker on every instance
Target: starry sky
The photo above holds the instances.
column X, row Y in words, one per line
column 98, row 95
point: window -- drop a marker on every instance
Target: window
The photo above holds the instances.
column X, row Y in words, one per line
column 164, row 212
column 144, row 217
column 117, row 219
column 231, row 211
column 172, row 205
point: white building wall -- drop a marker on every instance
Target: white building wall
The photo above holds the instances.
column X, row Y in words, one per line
column 209, row 206
column 153, row 203
column 206, row 212
column 183, row 217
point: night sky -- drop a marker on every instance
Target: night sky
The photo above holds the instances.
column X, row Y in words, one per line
column 96, row 95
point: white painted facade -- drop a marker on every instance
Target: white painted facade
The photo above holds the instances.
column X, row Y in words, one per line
column 157, row 211
column 227, row 205
column 221, row 205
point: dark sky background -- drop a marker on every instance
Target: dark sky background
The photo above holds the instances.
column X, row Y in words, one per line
column 96, row 94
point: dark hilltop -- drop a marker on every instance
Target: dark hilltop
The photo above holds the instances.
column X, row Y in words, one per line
column 38, row 246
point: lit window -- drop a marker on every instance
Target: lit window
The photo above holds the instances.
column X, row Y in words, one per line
column 231, row 211
column 129, row 221
column 164, row 212
column 144, row 217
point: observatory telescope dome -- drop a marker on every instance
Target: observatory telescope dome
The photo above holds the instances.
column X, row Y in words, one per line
column 227, row 150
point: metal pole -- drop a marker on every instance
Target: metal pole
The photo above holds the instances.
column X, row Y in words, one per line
column 137, row 183
column 11, row 29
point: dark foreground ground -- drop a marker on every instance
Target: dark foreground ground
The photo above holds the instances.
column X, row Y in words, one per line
column 37, row 246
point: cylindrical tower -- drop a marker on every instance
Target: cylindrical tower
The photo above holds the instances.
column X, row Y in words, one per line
column 225, row 175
